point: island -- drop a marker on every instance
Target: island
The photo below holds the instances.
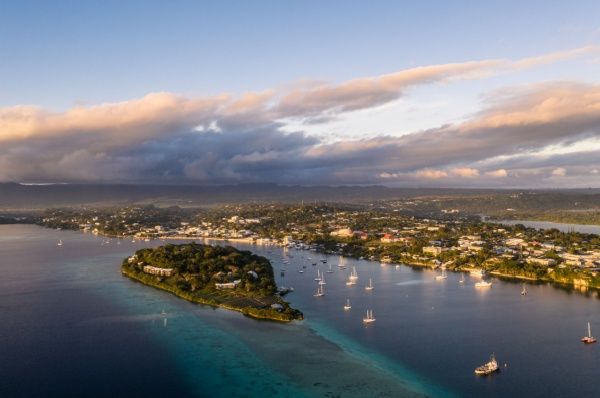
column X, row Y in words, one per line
column 219, row 276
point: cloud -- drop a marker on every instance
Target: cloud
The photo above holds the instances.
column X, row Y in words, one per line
column 164, row 137
column 465, row 172
column 431, row 174
column 497, row 173
column 559, row 172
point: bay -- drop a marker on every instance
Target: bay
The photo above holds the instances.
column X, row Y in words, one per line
column 73, row 326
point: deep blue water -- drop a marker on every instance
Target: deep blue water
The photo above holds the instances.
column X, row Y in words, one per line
column 70, row 325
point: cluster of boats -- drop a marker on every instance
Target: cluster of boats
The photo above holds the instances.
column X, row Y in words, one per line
column 352, row 280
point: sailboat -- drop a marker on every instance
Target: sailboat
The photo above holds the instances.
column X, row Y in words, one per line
column 369, row 318
column 320, row 291
column 524, row 291
column 60, row 243
column 443, row 276
column 462, row 278
column 354, row 275
column 322, row 281
column 370, row 285
column 318, row 278
column 483, row 284
column 589, row 339
column 347, row 306
column 329, row 271
column 341, row 264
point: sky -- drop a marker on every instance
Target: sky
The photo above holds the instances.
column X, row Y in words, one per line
column 499, row 94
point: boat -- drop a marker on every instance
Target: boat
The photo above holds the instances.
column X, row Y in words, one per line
column 341, row 264
column 322, row 281
column 60, row 243
column 354, row 274
column 301, row 271
column 524, row 291
column 442, row 276
column 347, row 306
column 318, row 278
column 350, row 282
column 397, row 266
column 488, row 368
column 462, row 279
column 483, row 284
column 370, row 286
column 369, row 318
column 320, row 291
column 589, row 339
column 477, row 272
column 329, row 271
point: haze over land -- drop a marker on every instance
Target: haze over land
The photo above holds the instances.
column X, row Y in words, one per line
column 489, row 111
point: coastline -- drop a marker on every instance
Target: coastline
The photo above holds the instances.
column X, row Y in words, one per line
column 253, row 312
column 579, row 284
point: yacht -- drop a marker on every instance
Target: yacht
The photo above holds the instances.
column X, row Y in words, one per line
column 369, row 318
column 347, row 306
column 488, row 368
column 477, row 272
column 354, row 274
column 320, row 291
column 589, row 339
column 318, row 278
column 442, row 276
column 483, row 284
column 370, row 286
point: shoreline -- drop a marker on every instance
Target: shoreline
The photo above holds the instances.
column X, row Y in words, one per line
column 582, row 285
column 252, row 312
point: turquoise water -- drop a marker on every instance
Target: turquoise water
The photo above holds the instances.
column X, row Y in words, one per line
column 58, row 294
column 73, row 326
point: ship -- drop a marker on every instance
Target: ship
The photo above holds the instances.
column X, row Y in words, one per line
column 477, row 272
column 488, row 368
column 589, row 339
column 369, row 318
column 347, row 306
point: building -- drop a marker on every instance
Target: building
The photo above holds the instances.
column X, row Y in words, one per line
column 228, row 285
column 158, row 271
column 434, row 250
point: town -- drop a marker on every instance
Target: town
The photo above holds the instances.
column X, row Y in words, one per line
column 375, row 232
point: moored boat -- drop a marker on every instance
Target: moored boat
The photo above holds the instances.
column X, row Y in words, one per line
column 347, row 306
column 369, row 318
column 589, row 339
column 488, row 368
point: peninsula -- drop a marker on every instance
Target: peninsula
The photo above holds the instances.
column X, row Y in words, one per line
column 213, row 275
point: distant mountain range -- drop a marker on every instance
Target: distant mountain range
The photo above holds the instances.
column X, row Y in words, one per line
column 20, row 196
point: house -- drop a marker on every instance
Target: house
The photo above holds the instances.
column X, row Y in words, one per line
column 149, row 269
column 434, row 250
column 228, row 285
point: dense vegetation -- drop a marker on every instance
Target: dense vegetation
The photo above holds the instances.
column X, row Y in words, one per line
column 198, row 268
